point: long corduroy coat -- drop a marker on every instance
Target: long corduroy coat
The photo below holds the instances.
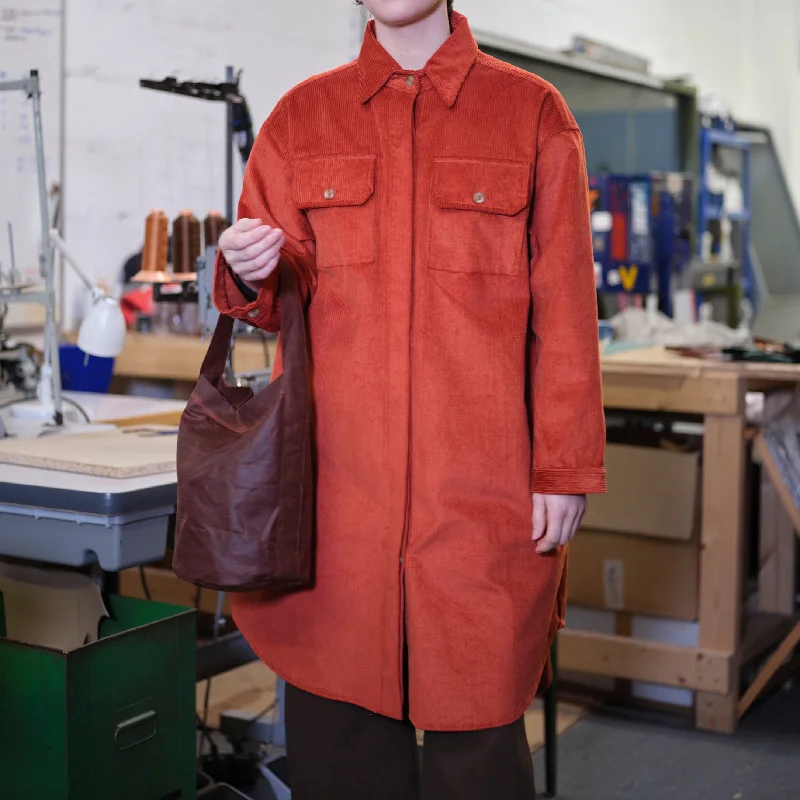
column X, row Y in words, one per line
column 439, row 222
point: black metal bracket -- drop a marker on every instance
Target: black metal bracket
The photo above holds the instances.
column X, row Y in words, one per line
column 239, row 123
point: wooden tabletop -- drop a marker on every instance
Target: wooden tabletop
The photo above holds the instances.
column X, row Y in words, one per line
column 656, row 379
column 660, row 361
column 171, row 357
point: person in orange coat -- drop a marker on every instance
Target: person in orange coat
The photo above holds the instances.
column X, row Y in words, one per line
column 434, row 203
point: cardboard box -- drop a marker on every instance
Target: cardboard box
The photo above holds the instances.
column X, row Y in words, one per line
column 651, row 492
column 166, row 587
column 619, row 572
column 49, row 607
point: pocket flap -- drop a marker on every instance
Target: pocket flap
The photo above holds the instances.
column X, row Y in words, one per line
column 330, row 181
column 494, row 187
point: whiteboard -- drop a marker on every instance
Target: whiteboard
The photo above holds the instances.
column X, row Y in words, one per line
column 150, row 150
column 30, row 38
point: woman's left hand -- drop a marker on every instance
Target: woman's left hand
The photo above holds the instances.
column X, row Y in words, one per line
column 556, row 519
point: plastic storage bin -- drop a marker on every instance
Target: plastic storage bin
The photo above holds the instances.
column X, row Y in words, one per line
column 115, row 541
column 79, row 374
column 113, row 720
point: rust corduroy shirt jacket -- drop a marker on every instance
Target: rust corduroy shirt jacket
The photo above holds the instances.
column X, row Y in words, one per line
column 439, row 222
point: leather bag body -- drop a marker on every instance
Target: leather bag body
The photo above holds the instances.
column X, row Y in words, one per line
column 245, row 485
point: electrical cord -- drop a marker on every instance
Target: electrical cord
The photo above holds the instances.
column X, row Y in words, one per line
column 206, row 734
column 81, row 410
column 16, row 401
column 20, row 400
column 145, row 587
column 51, row 429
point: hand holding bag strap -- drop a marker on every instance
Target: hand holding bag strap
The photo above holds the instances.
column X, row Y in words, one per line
column 292, row 330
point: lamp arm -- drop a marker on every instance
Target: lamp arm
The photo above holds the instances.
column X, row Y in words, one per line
column 62, row 248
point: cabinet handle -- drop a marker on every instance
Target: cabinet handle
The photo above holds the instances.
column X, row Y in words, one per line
column 128, row 735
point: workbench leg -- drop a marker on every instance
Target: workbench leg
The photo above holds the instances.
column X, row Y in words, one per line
column 722, row 560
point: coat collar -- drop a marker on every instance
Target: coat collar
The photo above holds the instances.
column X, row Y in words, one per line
column 447, row 68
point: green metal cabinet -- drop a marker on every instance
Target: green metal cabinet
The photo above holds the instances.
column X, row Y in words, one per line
column 114, row 720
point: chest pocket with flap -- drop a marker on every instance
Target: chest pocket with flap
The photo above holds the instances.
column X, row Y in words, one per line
column 479, row 216
column 336, row 193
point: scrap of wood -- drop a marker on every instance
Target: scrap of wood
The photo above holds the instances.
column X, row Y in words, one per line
column 771, row 468
column 784, row 650
column 106, row 453
column 772, row 665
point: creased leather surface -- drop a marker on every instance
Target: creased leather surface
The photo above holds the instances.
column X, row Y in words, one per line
column 244, row 469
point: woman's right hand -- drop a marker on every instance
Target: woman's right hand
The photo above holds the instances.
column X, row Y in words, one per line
column 252, row 250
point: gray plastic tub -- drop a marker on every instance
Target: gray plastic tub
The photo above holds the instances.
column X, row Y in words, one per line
column 73, row 539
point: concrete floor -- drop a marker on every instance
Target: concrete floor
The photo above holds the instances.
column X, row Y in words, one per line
column 622, row 756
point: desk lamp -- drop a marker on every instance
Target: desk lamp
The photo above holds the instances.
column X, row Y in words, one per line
column 102, row 334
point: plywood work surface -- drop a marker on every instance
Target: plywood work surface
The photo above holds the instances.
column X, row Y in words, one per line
column 131, row 453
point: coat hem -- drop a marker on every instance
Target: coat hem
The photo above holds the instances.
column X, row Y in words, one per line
column 500, row 722
column 304, row 686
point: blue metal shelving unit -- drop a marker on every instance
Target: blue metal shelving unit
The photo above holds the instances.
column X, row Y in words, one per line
column 710, row 208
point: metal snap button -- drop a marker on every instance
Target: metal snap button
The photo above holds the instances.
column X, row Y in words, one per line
column 252, row 314
column 479, row 197
column 330, row 194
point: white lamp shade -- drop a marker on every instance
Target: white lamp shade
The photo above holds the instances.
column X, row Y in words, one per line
column 102, row 333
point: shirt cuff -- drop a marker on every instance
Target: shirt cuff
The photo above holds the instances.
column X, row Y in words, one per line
column 569, row 481
column 239, row 301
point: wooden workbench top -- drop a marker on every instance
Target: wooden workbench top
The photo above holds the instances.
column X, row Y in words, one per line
column 659, row 360
column 656, row 379
column 171, row 357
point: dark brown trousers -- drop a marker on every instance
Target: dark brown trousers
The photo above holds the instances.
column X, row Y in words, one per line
column 342, row 752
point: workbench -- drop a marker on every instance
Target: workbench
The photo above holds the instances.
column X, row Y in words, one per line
column 74, row 520
column 714, row 393
column 154, row 356
column 70, row 519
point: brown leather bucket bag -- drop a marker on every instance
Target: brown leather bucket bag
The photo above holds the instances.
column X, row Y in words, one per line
column 245, row 483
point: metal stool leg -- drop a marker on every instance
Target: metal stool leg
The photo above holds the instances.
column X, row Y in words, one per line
column 551, row 729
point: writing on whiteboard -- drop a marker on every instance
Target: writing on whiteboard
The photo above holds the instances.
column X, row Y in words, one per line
column 30, row 38
column 20, row 25
column 16, row 124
